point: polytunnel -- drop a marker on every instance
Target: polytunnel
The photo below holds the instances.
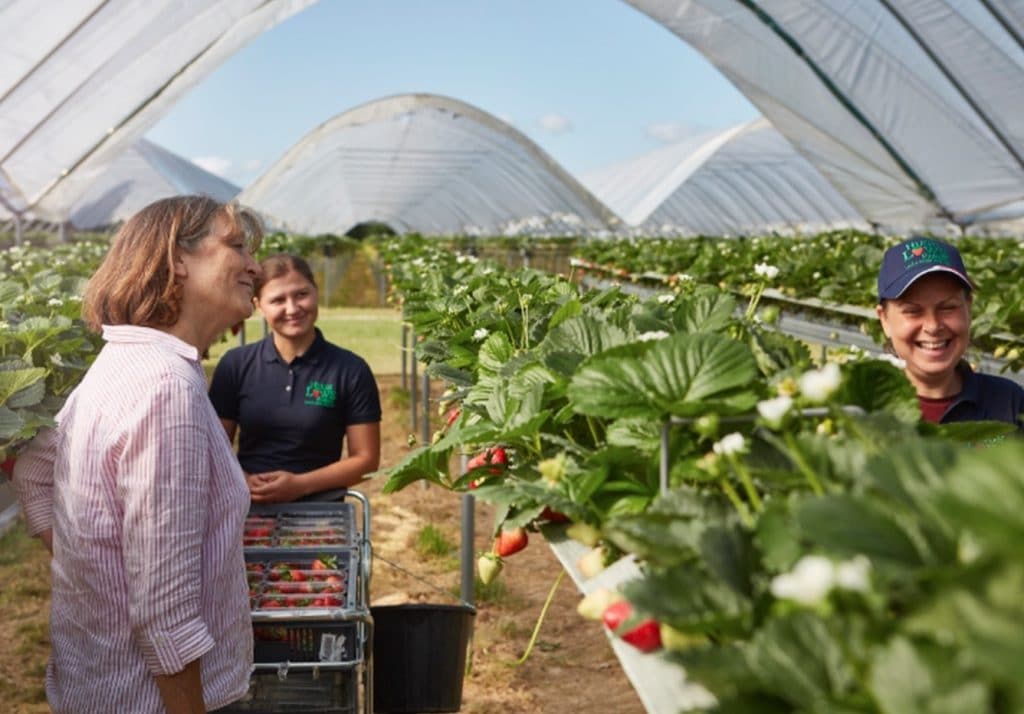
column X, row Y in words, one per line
column 80, row 81
column 139, row 175
column 426, row 163
column 746, row 179
column 910, row 109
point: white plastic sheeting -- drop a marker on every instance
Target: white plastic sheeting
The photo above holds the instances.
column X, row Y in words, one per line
column 421, row 162
column 911, row 108
column 743, row 180
column 138, row 176
column 81, row 80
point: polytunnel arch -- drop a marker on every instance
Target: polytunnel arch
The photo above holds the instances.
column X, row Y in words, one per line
column 742, row 180
column 426, row 163
column 879, row 98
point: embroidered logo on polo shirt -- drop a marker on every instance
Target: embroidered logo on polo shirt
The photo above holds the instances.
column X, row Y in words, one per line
column 319, row 394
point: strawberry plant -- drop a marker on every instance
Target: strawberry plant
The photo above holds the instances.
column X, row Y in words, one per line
column 817, row 547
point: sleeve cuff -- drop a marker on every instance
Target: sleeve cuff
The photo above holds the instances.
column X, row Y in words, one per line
column 168, row 651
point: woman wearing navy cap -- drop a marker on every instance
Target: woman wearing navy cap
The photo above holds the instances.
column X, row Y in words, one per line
column 924, row 305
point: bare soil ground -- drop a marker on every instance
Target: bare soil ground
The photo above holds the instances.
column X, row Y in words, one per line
column 571, row 669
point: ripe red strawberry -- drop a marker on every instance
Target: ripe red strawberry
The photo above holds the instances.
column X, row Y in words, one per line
column 325, row 562
column 497, row 457
column 645, row 636
column 452, row 416
column 510, row 542
column 552, row 516
column 493, row 456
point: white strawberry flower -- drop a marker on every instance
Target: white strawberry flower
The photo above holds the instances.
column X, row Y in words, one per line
column 667, row 298
column 809, row 583
column 766, row 271
column 819, row 384
column 774, row 410
column 480, row 334
column 652, row 336
column 854, row 574
column 733, row 443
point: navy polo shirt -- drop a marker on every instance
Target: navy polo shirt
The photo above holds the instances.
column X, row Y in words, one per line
column 986, row 397
column 293, row 417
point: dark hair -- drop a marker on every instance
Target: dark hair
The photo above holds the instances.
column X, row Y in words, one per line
column 135, row 284
column 280, row 264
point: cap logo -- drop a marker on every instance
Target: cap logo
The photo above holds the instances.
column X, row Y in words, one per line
column 924, row 252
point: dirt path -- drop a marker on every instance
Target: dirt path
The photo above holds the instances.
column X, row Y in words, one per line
column 572, row 667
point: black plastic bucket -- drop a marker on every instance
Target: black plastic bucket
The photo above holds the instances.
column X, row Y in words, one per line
column 419, row 656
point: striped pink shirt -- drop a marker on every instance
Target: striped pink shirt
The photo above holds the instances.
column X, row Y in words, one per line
column 146, row 501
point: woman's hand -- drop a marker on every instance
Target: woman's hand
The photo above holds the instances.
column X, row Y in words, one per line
column 276, row 487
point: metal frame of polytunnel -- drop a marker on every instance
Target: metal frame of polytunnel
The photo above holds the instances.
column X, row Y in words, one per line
column 80, row 81
column 910, row 109
column 426, row 163
column 740, row 181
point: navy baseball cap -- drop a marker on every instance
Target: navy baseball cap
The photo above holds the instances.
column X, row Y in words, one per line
column 907, row 261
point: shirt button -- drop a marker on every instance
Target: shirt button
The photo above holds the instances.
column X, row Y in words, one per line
column 288, row 388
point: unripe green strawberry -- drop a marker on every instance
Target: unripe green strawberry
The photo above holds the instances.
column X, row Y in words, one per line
column 707, row 426
column 770, row 314
column 594, row 604
column 488, row 566
column 584, row 533
column 593, row 562
column 552, row 470
column 673, row 639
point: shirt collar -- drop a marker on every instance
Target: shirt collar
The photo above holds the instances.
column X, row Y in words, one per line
column 970, row 387
column 138, row 335
column 269, row 352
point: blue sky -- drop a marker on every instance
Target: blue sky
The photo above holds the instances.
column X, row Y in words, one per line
column 592, row 82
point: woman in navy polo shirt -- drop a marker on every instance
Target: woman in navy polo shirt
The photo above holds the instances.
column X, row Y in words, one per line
column 295, row 398
column 924, row 305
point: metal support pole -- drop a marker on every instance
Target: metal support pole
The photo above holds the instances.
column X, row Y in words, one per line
column 426, row 407
column 468, row 541
column 405, row 344
column 663, row 465
column 241, row 334
column 18, row 234
column 426, row 417
column 412, row 382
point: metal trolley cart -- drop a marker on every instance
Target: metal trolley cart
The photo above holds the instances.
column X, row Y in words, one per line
column 309, row 574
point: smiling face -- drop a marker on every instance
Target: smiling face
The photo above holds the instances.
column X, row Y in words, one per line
column 218, row 277
column 289, row 304
column 929, row 326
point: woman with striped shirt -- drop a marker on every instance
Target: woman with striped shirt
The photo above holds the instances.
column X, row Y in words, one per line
column 136, row 491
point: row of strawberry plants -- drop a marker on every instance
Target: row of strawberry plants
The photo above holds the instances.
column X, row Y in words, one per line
column 837, row 267
column 855, row 560
column 44, row 345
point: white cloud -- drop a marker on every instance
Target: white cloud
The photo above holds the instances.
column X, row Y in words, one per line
column 672, row 131
column 214, row 164
column 555, row 123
